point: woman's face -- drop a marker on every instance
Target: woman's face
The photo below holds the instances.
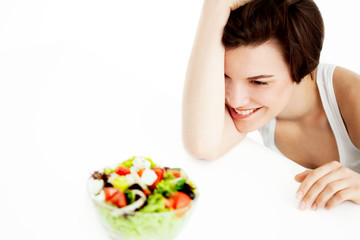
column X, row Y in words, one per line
column 258, row 85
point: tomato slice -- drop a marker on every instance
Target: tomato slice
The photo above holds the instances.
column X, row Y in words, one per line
column 147, row 192
column 121, row 170
column 119, row 199
column 115, row 196
column 181, row 200
column 169, row 202
column 140, row 172
column 122, row 200
column 160, row 174
column 175, row 172
column 109, row 192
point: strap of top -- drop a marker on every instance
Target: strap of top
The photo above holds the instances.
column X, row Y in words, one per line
column 268, row 134
column 325, row 84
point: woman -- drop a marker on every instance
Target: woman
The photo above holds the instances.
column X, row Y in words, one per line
column 257, row 67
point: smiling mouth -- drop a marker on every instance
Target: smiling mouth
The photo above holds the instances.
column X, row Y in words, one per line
column 241, row 114
column 245, row 112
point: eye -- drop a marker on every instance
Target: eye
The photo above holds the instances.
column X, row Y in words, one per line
column 259, row 83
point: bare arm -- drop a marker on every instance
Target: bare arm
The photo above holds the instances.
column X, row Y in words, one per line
column 332, row 183
column 208, row 129
column 346, row 87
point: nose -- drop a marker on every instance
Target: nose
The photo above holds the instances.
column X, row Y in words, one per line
column 237, row 95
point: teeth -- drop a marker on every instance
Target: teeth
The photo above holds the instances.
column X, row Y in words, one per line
column 247, row 112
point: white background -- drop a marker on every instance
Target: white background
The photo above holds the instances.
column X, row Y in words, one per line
column 85, row 84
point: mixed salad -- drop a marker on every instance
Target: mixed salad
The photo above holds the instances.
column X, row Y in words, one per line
column 127, row 194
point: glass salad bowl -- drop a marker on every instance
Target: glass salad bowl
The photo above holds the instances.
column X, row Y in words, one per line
column 157, row 211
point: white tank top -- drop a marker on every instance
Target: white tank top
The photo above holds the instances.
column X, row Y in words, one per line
column 349, row 154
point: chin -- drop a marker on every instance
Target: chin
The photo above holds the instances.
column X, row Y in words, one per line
column 250, row 126
column 255, row 122
column 246, row 128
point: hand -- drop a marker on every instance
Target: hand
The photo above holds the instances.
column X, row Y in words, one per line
column 234, row 4
column 330, row 184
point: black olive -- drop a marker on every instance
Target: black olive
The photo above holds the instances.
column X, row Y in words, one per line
column 166, row 194
column 99, row 176
column 136, row 186
column 105, row 177
column 188, row 190
column 108, row 185
column 192, row 195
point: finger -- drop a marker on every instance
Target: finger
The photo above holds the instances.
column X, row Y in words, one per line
column 320, row 185
column 314, row 176
column 301, row 176
column 329, row 192
column 338, row 198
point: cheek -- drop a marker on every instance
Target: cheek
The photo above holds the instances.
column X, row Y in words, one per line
column 262, row 97
column 275, row 97
column 228, row 86
column 280, row 96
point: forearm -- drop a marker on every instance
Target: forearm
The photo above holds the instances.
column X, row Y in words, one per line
column 204, row 90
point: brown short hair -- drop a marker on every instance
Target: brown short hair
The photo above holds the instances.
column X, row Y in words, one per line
column 295, row 25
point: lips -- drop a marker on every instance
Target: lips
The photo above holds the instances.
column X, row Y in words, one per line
column 242, row 113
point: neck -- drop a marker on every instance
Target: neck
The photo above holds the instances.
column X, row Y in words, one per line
column 304, row 103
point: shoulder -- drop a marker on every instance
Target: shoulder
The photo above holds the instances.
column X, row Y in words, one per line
column 347, row 88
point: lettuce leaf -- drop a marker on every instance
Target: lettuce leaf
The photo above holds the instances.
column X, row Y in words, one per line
column 129, row 163
column 120, row 183
column 168, row 186
column 155, row 203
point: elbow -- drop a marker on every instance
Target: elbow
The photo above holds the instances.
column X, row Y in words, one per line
column 202, row 155
column 201, row 146
column 201, row 151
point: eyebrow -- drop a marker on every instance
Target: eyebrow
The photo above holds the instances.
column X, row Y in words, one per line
column 259, row 77
column 255, row 77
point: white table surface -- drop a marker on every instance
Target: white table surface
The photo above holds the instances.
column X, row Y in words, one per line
column 86, row 84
